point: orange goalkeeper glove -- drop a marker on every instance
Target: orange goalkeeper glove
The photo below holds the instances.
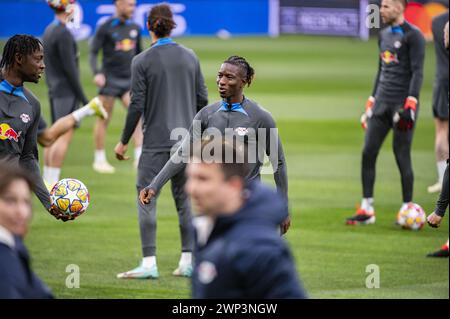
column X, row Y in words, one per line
column 368, row 112
column 405, row 118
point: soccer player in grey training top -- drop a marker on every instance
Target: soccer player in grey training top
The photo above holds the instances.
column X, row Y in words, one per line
column 393, row 105
column 167, row 89
column 119, row 39
column 234, row 115
column 63, row 80
column 22, row 61
column 440, row 100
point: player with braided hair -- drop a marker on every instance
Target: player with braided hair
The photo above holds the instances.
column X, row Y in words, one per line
column 20, row 111
column 244, row 117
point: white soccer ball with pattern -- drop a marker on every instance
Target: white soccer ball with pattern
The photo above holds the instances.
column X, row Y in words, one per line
column 413, row 217
column 71, row 197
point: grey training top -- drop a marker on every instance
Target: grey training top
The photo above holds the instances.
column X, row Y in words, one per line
column 119, row 41
column 440, row 50
column 167, row 88
column 61, row 63
column 248, row 122
column 20, row 112
column 400, row 70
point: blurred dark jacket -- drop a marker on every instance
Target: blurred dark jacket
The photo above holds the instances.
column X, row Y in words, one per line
column 17, row 280
column 244, row 255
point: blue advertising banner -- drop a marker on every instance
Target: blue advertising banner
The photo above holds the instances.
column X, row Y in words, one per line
column 193, row 17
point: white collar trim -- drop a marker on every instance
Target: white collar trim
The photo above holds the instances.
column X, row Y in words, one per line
column 6, row 237
column 204, row 226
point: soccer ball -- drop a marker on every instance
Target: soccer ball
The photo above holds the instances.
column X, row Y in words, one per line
column 60, row 5
column 71, row 197
column 413, row 217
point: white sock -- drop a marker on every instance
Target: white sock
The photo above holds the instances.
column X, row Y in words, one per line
column 185, row 259
column 367, row 204
column 149, row 262
column 52, row 175
column 137, row 152
column 46, row 173
column 100, row 156
column 83, row 112
column 441, row 166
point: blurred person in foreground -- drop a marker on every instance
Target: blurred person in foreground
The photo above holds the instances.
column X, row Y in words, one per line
column 17, row 280
column 239, row 252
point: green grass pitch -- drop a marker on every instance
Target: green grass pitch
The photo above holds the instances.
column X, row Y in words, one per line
column 316, row 88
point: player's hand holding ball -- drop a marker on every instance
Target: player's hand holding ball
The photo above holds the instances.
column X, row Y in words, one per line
column 56, row 212
column 368, row 112
column 406, row 117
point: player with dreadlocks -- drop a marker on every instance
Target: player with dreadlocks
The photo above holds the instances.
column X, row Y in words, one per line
column 20, row 111
column 236, row 116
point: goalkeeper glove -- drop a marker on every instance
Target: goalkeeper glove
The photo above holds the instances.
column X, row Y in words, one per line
column 406, row 117
column 368, row 113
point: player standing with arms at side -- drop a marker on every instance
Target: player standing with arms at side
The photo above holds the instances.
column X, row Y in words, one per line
column 435, row 219
column 20, row 111
column 237, row 114
column 119, row 39
column 440, row 100
column 393, row 105
column 63, row 81
column 167, row 90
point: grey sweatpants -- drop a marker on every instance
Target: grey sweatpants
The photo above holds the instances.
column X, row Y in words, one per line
column 150, row 164
column 378, row 127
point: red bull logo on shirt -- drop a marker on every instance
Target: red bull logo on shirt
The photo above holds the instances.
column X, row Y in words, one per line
column 125, row 45
column 388, row 57
column 8, row 133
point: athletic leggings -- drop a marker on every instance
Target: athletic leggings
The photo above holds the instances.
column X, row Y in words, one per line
column 150, row 164
column 378, row 128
